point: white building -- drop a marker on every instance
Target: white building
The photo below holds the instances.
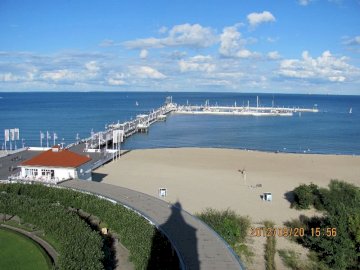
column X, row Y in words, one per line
column 56, row 165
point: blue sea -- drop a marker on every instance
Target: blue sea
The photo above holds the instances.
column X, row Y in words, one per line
column 331, row 131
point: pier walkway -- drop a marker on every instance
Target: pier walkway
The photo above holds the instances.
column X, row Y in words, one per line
column 206, row 251
column 115, row 133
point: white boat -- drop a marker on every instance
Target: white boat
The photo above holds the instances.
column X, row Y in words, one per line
column 350, row 111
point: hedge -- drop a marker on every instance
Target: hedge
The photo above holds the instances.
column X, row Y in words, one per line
column 134, row 232
column 66, row 228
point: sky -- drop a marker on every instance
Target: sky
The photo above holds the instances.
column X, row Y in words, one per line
column 288, row 46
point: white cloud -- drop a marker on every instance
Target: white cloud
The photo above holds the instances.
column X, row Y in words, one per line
column 163, row 29
column 107, row 43
column 255, row 19
column 274, row 55
column 177, row 55
column 9, row 77
column 325, row 67
column 233, row 45
column 58, row 75
column 144, row 43
column 355, row 41
column 22, row 71
column 191, row 35
column 147, row 72
column 17, row 76
column 143, row 54
column 197, row 63
column 92, row 67
column 304, row 2
column 117, row 78
column 116, row 82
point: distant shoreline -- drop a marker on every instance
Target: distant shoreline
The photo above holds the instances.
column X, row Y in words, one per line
column 187, row 92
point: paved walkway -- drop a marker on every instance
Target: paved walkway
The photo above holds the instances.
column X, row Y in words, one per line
column 199, row 246
column 45, row 245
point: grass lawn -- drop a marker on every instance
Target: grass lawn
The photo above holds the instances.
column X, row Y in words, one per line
column 19, row 252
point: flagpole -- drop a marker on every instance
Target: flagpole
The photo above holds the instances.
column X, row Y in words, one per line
column 5, row 138
column 47, row 138
column 99, row 141
column 10, row 138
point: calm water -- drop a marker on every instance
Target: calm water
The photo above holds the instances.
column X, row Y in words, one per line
column 332, row 131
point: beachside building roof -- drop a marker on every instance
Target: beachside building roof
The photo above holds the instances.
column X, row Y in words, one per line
column 57, row 157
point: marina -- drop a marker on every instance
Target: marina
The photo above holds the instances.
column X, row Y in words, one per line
column 115, row 133
column 243, row 110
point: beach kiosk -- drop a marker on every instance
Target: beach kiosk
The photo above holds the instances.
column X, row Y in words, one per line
column 162, row 192
column 56, row 165
column 267, row 196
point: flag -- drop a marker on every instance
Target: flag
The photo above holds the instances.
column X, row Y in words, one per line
column 48, row 136
column 118, row 136
column 7, row 137
column 12, row 134
column 55, row 136
column 42, row 135
column 16, row 134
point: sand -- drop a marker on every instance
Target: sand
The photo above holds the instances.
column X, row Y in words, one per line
column 201, row 178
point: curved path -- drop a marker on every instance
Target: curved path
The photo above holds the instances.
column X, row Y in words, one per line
column 206, row 250
column 45, row 245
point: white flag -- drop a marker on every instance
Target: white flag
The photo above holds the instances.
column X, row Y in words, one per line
column 42, row 135
column 7, row 137
column 12, row 134
column 55, row 136
column 17, row 134
column 48, row 135
column 118, row 136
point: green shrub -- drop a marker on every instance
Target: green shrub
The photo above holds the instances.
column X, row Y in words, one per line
column 303, row 197
column 134, row 232
column 292, row 260
column 230, row 226
column 65, row 227
column 270, row 248
column 341, row 203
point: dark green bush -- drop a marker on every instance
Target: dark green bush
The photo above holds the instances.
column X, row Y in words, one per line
column 303, row 196
column 62, row 225
column 134, row 232
column 230, row 226
column 341, row 204
column 270, row 248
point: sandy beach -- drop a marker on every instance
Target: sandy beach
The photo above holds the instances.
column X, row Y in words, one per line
column 201, row 177
column 226, row 178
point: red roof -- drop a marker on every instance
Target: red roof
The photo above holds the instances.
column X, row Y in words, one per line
column 60, row 158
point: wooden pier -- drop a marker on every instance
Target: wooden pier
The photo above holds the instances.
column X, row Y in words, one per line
column 114, row 134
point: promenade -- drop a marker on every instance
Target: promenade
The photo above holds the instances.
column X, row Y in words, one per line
column 198, row 246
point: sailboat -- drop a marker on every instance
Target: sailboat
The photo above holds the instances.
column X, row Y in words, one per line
column 137, row 103
column 350, row 111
